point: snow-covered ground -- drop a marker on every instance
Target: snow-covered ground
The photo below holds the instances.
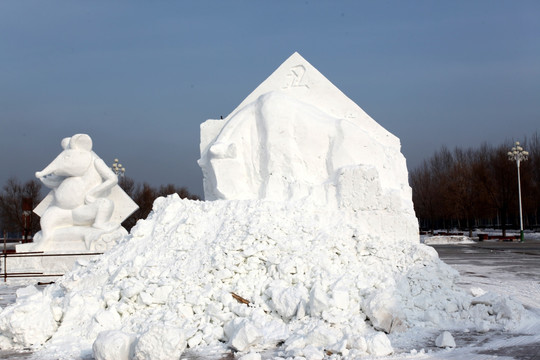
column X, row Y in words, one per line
column 461, row 237
column 446, row 239
column 509, row 269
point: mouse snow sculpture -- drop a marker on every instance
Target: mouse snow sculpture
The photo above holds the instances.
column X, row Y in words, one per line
column 79, row 212
column 297, row 137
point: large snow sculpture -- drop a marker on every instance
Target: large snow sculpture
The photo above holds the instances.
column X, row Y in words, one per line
column 298, row 137
column 85, row 206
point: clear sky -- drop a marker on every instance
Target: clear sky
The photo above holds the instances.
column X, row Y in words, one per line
column 140, row 76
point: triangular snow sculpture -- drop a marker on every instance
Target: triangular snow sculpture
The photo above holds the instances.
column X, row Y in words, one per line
column 297, row 137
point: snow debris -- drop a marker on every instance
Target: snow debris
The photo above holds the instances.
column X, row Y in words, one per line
column 31, row 322
column 308, row 289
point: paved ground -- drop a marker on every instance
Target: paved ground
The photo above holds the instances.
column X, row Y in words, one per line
column 511, row 268
column 526, row 247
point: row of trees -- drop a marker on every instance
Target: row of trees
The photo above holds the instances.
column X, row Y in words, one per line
column 470, row 188
column 17, row 200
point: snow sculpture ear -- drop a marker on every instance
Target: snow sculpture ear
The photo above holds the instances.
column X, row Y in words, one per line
column 223, row 151
column 65, row 143
column 81, row 141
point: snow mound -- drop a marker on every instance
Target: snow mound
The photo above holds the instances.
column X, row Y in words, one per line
column 248, row 275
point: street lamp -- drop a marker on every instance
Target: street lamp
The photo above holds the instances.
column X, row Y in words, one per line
column 118, row 169
column 518, row 155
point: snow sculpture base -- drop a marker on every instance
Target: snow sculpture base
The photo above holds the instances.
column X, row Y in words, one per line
column 78, row 239
column 45, row 268
column 69, row 245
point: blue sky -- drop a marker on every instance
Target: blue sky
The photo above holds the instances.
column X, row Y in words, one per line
column 140, row 76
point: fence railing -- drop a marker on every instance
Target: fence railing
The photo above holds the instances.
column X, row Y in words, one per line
column 36, row 254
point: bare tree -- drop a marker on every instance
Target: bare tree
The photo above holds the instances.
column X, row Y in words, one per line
column 16, row 204
column 463, row 188
column 424, row 196
column 441, row 164
column 531, row 184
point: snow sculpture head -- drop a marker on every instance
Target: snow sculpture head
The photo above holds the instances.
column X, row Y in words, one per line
column 297, row 137
column 85, row 207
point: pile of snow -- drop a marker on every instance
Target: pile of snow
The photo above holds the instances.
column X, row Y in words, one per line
column 248, row 276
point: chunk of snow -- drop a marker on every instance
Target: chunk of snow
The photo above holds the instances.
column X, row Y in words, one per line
column 244, row 335
column 379, row 345
column 250, row 356
column 160, row 342
column 113, row 345
column 445, row 340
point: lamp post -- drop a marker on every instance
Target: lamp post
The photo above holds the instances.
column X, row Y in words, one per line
column 118, row 169
column 518, row 155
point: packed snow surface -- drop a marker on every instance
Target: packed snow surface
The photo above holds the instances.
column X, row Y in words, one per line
column 248, row 276
column 446, row 239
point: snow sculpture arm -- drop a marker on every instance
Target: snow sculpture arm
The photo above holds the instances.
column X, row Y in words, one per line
column 109, row 181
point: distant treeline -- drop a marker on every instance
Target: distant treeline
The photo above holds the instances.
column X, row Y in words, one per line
column 471, row 188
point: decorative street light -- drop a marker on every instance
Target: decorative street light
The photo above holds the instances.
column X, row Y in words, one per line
column 518, row 155
column 118, row 169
